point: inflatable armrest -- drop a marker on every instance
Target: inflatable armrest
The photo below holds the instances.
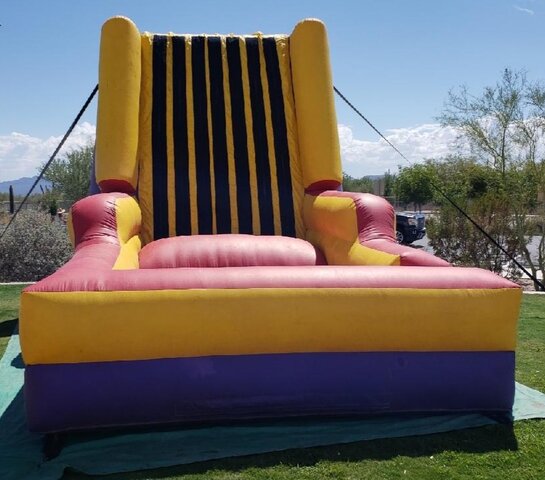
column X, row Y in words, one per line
column 104, row 218
column 358, row 229
column 104, row 230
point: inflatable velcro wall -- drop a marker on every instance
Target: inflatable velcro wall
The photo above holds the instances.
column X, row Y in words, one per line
column 221, row 274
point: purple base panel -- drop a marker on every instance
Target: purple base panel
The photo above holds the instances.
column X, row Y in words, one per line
column 63, row 397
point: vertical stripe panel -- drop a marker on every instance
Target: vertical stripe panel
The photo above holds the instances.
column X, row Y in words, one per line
column 293, row 165
column 220, row 192
column 259, row 130
column 256, row 227
column 217, row 147
column 179, row 125
column 191, row 138
column 171, row 192
column 229, row 140
column 201, row 139
column 244, row 198
column 276, row 102
column 270, row 141
column 145, row 198
column 158, row 139
column 210, row 138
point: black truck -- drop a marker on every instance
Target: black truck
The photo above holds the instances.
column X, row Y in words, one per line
column 410, row 226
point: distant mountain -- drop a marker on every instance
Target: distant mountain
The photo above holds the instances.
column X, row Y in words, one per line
column 22, row 185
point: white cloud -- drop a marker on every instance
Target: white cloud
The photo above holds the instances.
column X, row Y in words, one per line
column 523, row 10
column 362, row 157
column 21, row 154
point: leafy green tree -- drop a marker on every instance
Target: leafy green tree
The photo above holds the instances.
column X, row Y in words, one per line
column 33, row 247
column 351, row 184
column 491, row 122
column 70, row 176
column 504, row 127
column 478, row 190
column 414, row 184
column 389, row 184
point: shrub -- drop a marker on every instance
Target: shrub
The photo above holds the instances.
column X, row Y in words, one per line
column 33, row 247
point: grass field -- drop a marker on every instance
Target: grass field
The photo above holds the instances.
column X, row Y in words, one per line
column 495, row 452
column 9, row 310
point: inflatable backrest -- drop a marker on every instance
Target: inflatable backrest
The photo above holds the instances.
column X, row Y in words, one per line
column 216, row 134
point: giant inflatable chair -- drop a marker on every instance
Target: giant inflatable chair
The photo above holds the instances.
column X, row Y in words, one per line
column 222, row 275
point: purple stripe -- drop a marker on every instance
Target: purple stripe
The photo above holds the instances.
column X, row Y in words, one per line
column 77, row 396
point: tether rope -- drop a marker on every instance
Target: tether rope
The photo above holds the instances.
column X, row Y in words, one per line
column 51, row 158
column 444, row 195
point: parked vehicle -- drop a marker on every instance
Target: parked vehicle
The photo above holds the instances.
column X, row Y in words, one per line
column 410, row 226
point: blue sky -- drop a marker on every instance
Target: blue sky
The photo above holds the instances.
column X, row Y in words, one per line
column 396, row 60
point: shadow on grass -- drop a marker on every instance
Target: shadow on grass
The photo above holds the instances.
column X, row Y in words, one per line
column 492, row 438
column 17, row 362
column 7, row 327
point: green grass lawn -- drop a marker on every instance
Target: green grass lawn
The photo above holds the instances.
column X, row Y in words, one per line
column 495, row 452
column 9, row 310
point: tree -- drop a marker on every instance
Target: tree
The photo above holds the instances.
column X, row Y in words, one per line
column 70, row 176
column 505, row 130
column 389, row 184
column 414, row 184
column 477, row 189
column 351, row 184
column 490, row 123
column 33, row 247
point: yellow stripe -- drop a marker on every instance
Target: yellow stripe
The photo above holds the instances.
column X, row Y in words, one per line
column 256, row 227
column 128, row 218
column 70, row 228
column 270, row 141
column 128, row 255
column 313, row 90
column 191, row 139
column 223, row 322
column 333, row 216
column 282, row 47
column 145, row 183
column 229, row 135
column 170, row 145
column 118, row 102
column 332, row 226
column 341, row 252
column 210, row 137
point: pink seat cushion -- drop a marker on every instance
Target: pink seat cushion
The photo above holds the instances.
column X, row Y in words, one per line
column 229, row 250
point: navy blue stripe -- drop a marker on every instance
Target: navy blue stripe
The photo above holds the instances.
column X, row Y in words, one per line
column 242, row 172
column 159, row 138
column 263, row 169
column 278, row 117
column 181, row 153
column 202, row 152
column 219, row 139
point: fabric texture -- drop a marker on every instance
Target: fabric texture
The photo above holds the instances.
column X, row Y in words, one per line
column 116, row 166
column 229, row 250
column 234, row 387
column 358, row 229
column 201, row 322
column 219, row 137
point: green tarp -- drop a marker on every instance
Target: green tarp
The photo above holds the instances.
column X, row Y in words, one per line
column 129, row 450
